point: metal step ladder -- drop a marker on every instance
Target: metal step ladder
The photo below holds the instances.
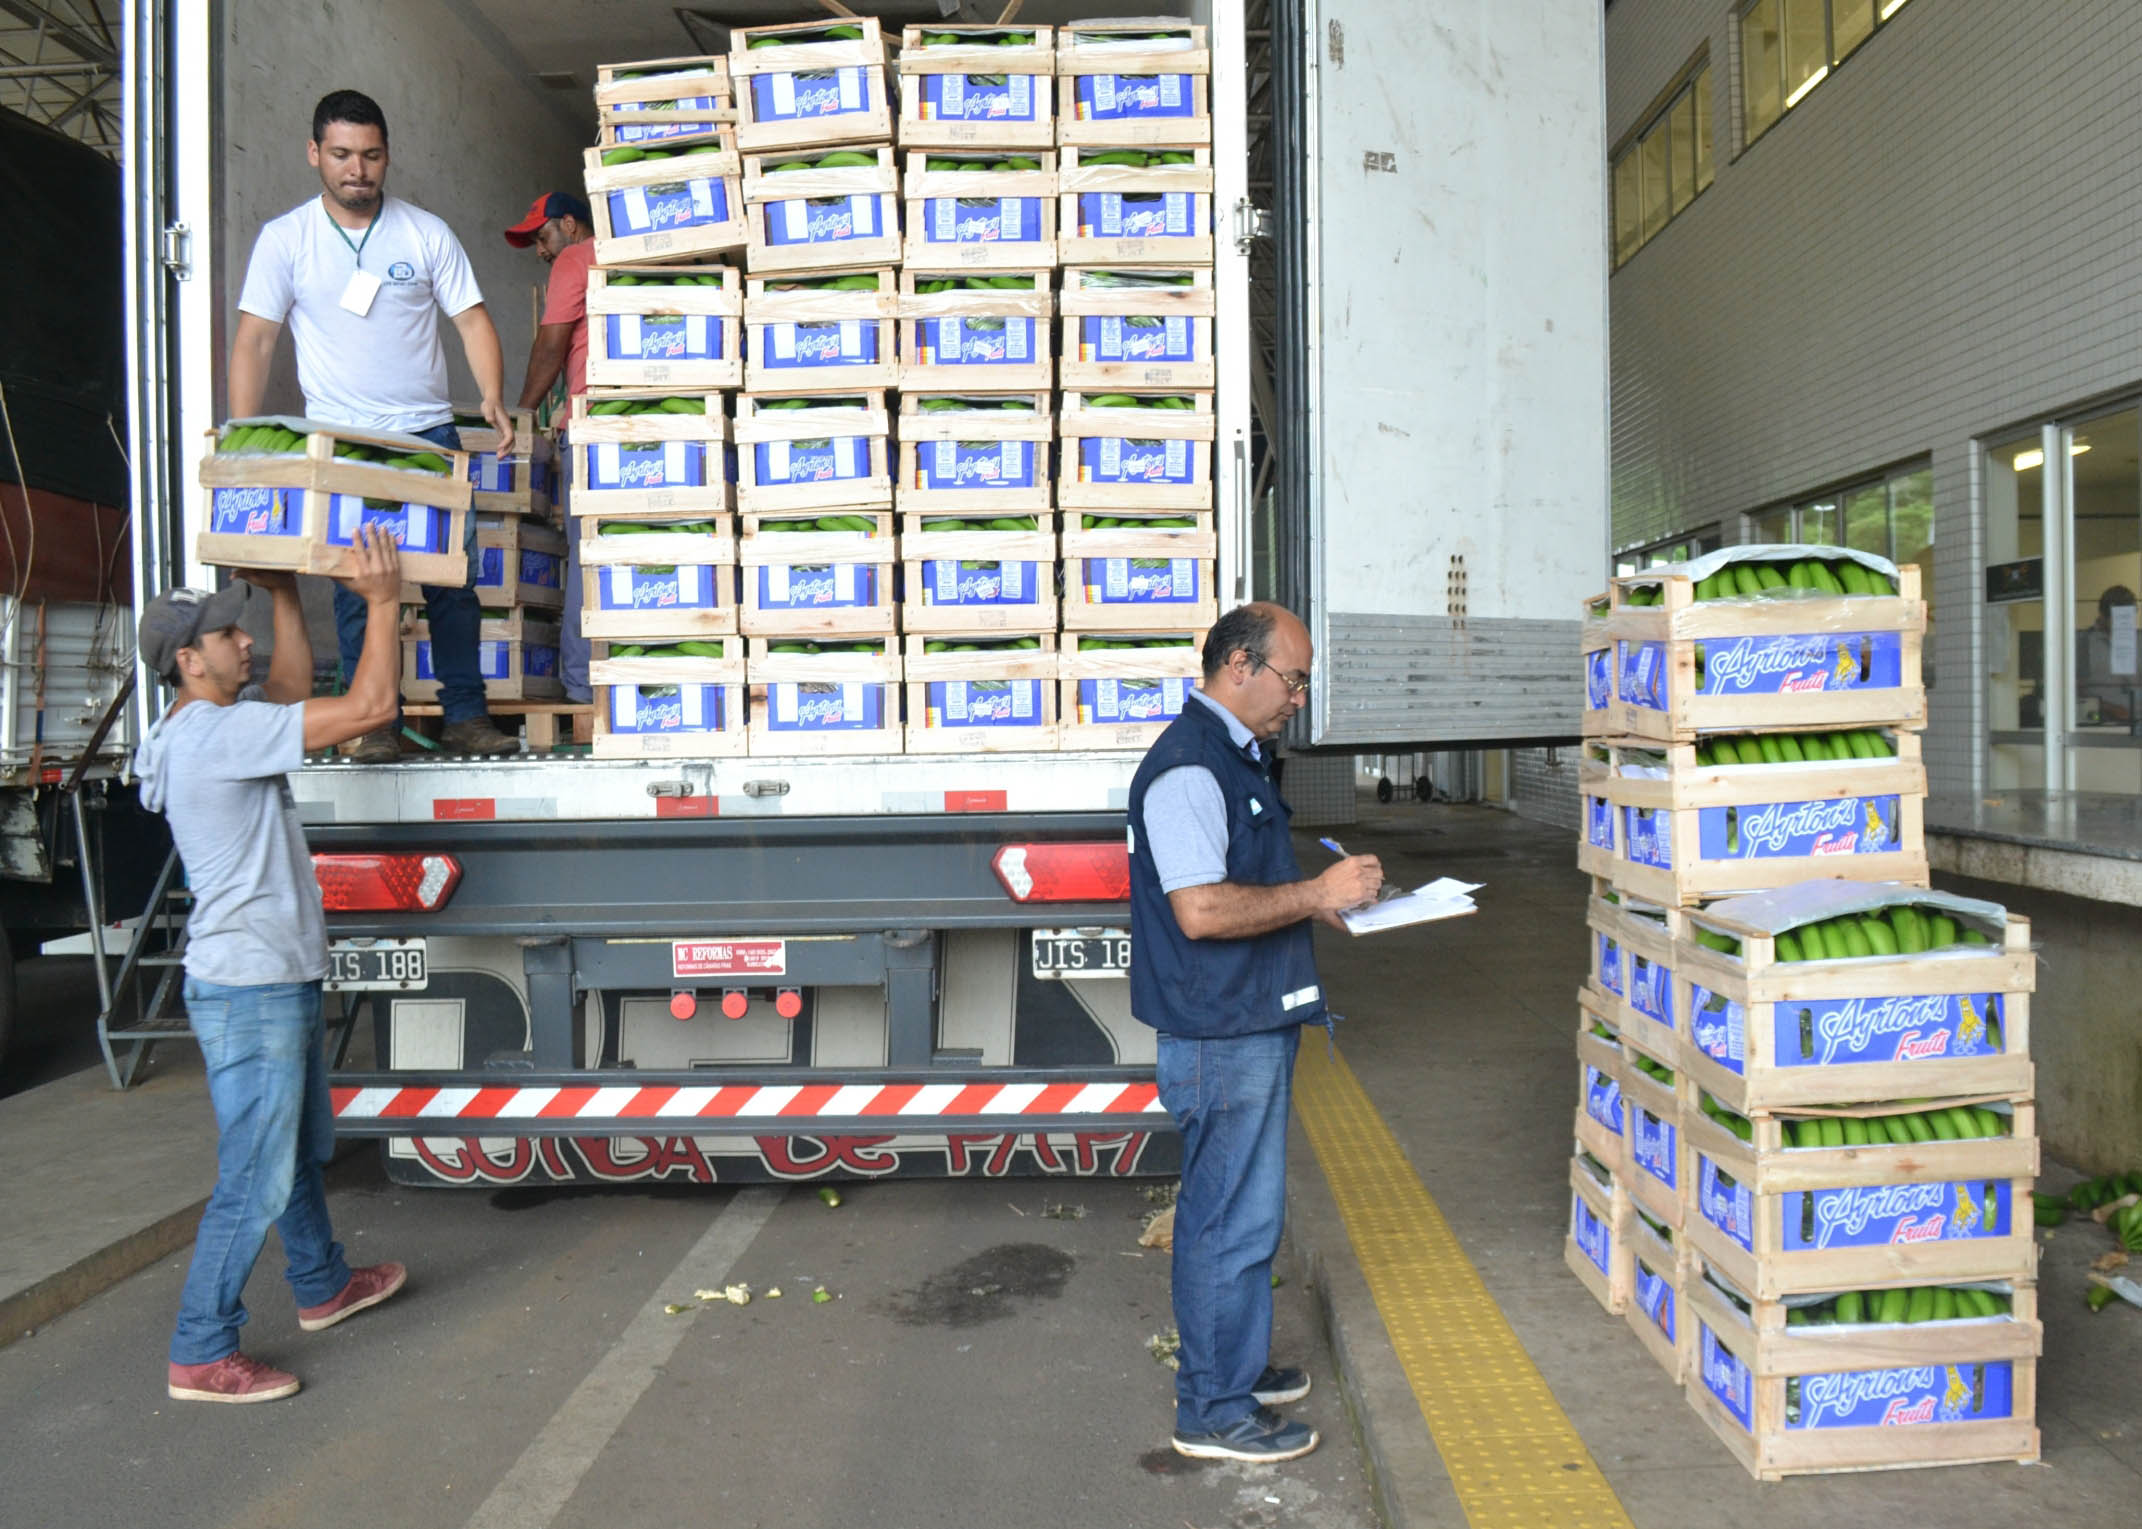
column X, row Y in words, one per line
column 142, row 1003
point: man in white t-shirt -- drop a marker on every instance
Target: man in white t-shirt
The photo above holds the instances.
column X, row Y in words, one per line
column 361, row 278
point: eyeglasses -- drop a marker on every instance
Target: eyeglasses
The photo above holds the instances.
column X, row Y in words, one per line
column 1297, row 683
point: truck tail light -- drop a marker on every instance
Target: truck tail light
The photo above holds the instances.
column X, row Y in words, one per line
column 409, row 883
column 1065, row 872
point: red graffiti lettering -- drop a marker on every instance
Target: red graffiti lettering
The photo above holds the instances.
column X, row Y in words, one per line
column 467, row 1160
column 793, row 1157
column 626, row 1159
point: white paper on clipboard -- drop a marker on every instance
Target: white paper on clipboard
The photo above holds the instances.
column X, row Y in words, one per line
column 1446, row 897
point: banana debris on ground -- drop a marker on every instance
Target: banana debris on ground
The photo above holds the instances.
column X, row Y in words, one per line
column 1159, row 1230
column 1164, row 1346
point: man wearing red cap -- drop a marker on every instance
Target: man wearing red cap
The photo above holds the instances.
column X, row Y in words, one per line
column 559, row 228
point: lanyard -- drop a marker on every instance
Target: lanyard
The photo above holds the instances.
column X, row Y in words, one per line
column 357, row 248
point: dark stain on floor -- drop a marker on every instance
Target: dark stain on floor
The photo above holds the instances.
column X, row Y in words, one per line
column 984, row 1288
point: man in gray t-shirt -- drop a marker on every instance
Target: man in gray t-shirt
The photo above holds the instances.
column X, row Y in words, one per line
column 256, row 946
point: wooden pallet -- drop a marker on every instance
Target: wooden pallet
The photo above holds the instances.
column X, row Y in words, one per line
column 979, row 460
column 977, row 218
column 937, row 691
column 1658, row 1283
column 862, row 106
column 813, row 340
column 539, row 720
column 675, row 101
column 699, row 211
column 1179, row 74
column 673, row 336
column 1597, row 1245
column 822, row 220
column 768, row 461
column 1119, row 339
column 935, row 112
column 999, row 338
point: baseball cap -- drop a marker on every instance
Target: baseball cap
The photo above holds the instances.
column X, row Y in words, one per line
column 551, row 204
column 177, row 616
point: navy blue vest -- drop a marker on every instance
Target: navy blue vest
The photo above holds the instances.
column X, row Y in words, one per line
column 1208, row 988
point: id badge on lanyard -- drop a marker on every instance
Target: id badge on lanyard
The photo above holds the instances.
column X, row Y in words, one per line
column 357, row 295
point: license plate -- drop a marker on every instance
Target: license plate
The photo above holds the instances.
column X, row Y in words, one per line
column 375, row 964
column 1060, row 954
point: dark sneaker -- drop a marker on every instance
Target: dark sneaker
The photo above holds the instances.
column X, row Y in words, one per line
column 367, row 1287
column 233, row 1378
column 1280, row 1383
column 1262, row 1437
column 381, row 747
column 477, row 736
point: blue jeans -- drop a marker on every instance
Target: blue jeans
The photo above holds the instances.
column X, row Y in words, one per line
column 275, row 1130
column 454, row 615
column 572, row 644
column 1229, row 1099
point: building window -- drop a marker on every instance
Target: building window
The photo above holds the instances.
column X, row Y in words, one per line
column 1662, row 166
column 1681, row 549
column 1788, row 47
column 1890, row 516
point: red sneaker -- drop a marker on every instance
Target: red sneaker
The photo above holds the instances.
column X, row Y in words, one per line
column 367, row 1287
column 233, row 1378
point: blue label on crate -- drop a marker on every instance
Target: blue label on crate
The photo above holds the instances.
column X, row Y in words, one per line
column 1946, row 1393
column 819, row 586
column 1141, row 337
column 1781, row 665
column 647, row 465
column 494, row 659
column 975, row 341
column 655, row 132
column 1129, row 97
column 985, row 97
column 1720, row 1027
column 1651, row 989
column 829, row 219
column 984, row 703
column 640, row 210
column 969, row 581
column 811, row 93
column 1143, row 580
column 1882, row 1215
column 257, row 512
column 1602, row 1098
column 1598, row 822
column 663, row 336
column 1141, row 214
column 622, row 587
column 815, row 707
column 1654, row 1298
column 1826, row 1031
column 1652, row 1145
column 1725, row 1202
column 1598, row 679
column 1121, row 700
column 667, row 708
column 1724, row 1376
column 418, row 527
column 1856, row 825
column 1592, row 1234
column 810, row 347
column 1610, row 963
column 490, row 568
column 981, row 219
column 1648, row 834
column 815, row 461
column 542, row 569
column 1112, row 459
column 539, row 660
column 976, row 464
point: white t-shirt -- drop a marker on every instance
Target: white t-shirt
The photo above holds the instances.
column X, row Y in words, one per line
column 385, row 370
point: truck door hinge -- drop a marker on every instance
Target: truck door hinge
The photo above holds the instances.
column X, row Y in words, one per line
column 1251, row 224
column 678, row 788
column 178, row 250
column 759, row 788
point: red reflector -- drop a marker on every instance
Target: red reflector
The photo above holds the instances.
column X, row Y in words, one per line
column 788, row 1002
column 735, row 1002
column 683, row 1005
column 409, row 883
column 1078, row 872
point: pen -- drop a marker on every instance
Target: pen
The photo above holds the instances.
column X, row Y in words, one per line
column 1334, row 846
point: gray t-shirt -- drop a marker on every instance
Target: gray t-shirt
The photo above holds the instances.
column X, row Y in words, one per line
column 1186, row 815
column 217, row 775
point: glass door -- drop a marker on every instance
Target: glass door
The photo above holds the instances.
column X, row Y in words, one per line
column 2015, row 613
column 2104, row 546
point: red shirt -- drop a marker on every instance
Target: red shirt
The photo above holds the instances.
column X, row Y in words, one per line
column 565, row 301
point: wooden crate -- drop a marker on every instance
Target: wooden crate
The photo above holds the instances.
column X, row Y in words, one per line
column 1597, row 648
column 1121, row 338
column 1161, row 214
column 979, row 581
column 1135, row 458
column 1117, row 85
column 1758, row 1029
column 1017, row 714
column 1599, row 845
column 1601, row 1118
column 986, row 340
column 1657, row 1313
column 707, row 721
column 1124, row 698
column 976, row 460
column 1597, row 1245
column 805, row 338
column 942, row 105
column 1652, row 1128
column 300, row 510
column 1775, row 665
column 664, row 101
column 822, row 220
column 976, row 218
column 658, row 332
column 825, row 703
column 517, row 655
column 655, row 585
column 673, row 467
column 1116, row 594
column 777, row 110
column 516, row 477
column 1606, row 984
column 830, row 456
column 844, row 584
column 516, row 562
column 1814, row 1399
column 690, row 204
column 1647, row 1005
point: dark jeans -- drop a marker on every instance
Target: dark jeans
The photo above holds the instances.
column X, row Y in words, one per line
column 454, row 616
column 1229, row 1098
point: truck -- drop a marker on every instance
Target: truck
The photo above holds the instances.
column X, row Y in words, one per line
column 783, row 968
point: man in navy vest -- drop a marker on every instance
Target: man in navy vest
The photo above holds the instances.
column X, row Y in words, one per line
column 1222, row 968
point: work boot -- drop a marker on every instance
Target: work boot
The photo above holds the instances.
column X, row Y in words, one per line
column 233, row 1378
column 380, row 746
column 367, row 1287
column 477, row 736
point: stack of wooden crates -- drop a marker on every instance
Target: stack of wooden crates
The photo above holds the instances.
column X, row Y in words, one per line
column 1805, row 1181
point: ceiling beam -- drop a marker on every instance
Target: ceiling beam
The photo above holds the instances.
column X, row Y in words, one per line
column 76, row 41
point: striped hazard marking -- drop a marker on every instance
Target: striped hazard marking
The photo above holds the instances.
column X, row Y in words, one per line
column 1513, row 1456
column 659, row 1104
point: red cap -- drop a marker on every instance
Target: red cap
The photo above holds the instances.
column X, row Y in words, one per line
column 551, row 204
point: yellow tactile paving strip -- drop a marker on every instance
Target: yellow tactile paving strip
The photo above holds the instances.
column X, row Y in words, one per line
column 1513, row 1456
